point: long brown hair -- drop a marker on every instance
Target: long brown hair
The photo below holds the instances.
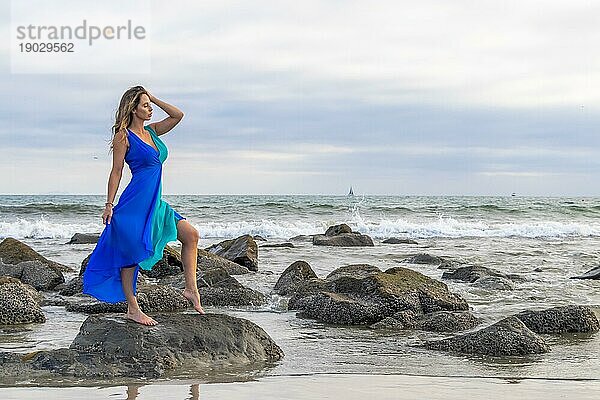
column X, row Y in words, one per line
column 129, row 102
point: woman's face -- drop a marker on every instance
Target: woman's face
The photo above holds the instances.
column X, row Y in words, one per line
column 144, row 108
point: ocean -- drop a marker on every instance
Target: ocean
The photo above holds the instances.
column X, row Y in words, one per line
column 546, row 240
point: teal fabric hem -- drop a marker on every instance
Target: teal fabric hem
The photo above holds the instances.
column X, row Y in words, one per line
column 164, row 230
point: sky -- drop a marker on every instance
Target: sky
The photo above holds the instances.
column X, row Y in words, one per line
column 312, row 97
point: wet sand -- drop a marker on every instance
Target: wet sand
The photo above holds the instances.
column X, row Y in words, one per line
column 329, row 386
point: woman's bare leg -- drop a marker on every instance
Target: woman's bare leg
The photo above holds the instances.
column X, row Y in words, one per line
column 133, row 309
column 188, row 236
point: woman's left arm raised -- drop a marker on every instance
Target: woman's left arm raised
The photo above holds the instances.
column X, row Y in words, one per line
column 175, row 115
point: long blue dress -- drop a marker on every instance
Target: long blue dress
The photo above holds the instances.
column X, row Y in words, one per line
column 141, row 225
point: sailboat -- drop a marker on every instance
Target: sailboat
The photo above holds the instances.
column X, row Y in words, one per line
column 351, row 193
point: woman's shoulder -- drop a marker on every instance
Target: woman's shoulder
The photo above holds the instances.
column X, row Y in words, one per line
column 151, row 128
column 121, row 137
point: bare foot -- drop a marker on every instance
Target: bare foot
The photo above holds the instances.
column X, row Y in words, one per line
column 194, row 297
column 140, row 318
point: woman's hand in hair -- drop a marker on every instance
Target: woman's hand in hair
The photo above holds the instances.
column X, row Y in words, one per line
column 152, row 98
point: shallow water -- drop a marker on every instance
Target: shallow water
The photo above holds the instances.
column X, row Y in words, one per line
column 327, row 386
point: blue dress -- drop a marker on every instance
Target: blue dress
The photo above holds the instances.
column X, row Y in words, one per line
column 141, row 225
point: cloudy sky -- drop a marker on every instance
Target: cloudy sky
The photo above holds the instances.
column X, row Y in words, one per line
column 288, row 97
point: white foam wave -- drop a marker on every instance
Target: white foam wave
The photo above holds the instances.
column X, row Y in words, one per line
column 43, row 228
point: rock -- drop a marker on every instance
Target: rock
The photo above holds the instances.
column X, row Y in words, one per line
column 258, row 237
column 304, row 289
column 11, row 270
column 17, row 303
column 471, row 273
column 217, row 277
column 13, row 251
column 508, row 337
column 71, row 288
column 41, row 276
column 424, row 258
column 399, row 241
column 446, row 321
column 84, row 238
column 593, row 273
column 218, row 288
column 302, row 238
column 494, row 283
column 371, row 296
column 227, row 297
column 169, row 264
column 343, row 240
column 561, row 319
column 358, row 271
column 84, row 264
column 151, row 298
column 93, row 306
column 299, row 280
column 287, row 244
column 338, row 230
column 341, row 235
column 293, row 276
column 112, row 346
column 337, row 308
column 35, row 273
column 242, row 250
column 207, row 260
column 440, row 321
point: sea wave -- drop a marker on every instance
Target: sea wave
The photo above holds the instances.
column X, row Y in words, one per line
column 43, row 227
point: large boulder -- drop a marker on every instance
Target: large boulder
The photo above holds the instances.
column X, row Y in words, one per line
column 112, row 346
column 13, row 251
column 342, row 236
column 242, row 250
column 18, row 303
column 561, row 319
column 508, row 337
column 338, row 308
column 363, row 294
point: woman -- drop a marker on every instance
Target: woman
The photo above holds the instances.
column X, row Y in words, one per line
column 138, row 227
